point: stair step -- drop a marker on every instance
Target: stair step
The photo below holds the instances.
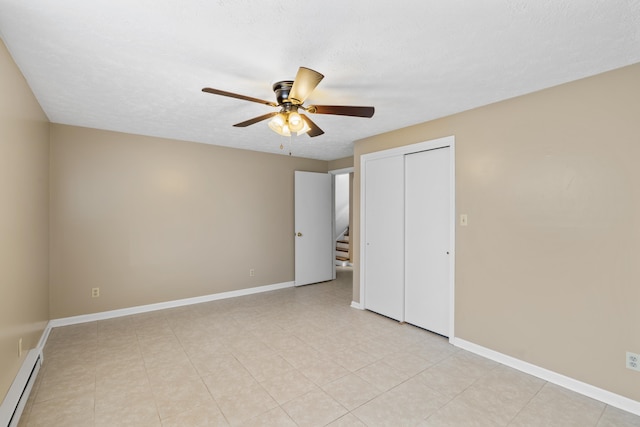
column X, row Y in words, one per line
column 342, row 248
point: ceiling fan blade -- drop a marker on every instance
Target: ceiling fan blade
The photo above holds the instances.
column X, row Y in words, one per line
column 315, row 130
column 342, row 110
column 305, row 82
column 237, row 96
column 255, row 120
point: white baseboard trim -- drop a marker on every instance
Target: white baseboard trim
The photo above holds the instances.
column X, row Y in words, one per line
column 65, row 321
column 585, row 389
column 45, row 335
column 16, row 398
column 43, row 340
column 356, row 305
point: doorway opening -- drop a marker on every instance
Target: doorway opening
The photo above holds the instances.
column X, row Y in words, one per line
column 342, row 216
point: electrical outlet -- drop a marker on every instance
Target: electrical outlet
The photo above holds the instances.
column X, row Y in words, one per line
column 95, row 292
column 20, row 347
column 633, row 361
column 252, row 272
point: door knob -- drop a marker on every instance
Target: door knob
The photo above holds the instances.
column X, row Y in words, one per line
column 299, row 234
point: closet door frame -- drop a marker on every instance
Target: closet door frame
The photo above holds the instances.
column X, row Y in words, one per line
column 448, row 141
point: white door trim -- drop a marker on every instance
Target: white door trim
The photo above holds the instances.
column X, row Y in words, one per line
column 448, row 141
column 341, row 171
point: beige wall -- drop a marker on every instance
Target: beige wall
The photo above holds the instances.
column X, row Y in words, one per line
column 548, row 270
column 344, row 163
column 24, row 150
column 149, row 220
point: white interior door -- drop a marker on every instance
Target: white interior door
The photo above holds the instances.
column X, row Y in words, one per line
column 427, row 239
column 313, row 228
column 384, row 236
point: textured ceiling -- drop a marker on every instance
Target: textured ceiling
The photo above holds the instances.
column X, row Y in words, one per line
column 139, row 66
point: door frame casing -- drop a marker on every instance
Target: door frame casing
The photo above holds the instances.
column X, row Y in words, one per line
column 448, row 141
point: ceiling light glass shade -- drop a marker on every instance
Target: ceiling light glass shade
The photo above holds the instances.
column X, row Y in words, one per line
column 278, row 124
column 295, row 122
column 278, row 121
column 305, row 128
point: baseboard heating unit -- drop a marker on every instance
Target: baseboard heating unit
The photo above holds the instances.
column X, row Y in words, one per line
column 17, row 396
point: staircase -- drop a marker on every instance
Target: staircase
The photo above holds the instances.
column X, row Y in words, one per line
column 343, row 256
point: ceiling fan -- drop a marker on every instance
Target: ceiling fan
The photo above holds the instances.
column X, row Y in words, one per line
column 290, row 96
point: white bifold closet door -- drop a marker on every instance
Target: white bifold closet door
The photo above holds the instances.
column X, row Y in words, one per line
column 427, row 208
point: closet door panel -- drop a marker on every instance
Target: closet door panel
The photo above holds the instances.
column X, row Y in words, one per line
column 384, row 236
column 427, row 229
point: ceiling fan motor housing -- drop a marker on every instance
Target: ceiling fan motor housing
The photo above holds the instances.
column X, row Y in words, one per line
column 282, row 90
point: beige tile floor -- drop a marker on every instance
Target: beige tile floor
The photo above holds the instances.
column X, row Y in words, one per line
column 293, row 357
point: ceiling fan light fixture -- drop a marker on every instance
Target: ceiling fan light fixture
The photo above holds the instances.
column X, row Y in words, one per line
column 278, row 124
column 286, row 123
